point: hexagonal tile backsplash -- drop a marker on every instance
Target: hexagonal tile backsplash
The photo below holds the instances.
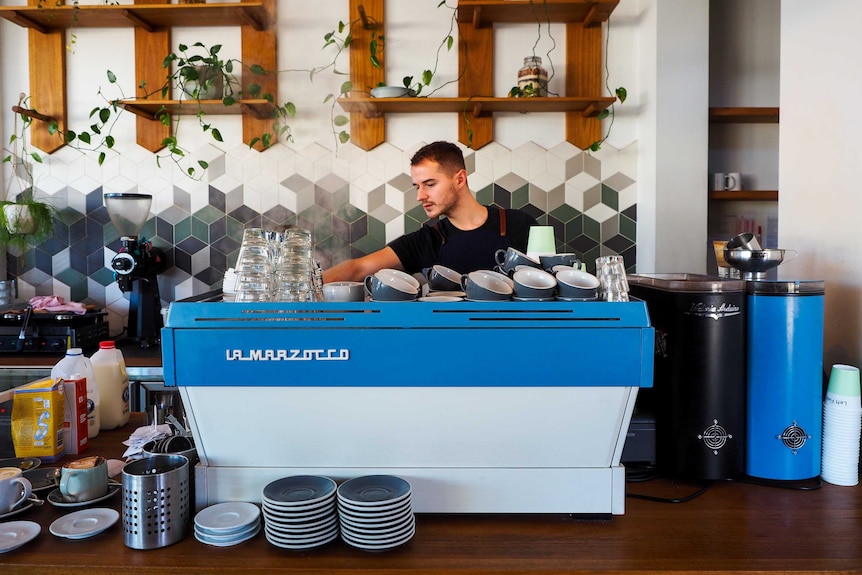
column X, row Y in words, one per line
column 353, row 201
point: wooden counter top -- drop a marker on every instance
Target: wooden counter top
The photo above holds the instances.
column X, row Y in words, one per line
column 732, row 528
column 133, row 354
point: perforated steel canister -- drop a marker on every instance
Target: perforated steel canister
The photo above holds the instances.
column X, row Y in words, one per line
column 156, row 504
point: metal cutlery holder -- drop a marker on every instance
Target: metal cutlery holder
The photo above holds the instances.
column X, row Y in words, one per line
column 156, row 503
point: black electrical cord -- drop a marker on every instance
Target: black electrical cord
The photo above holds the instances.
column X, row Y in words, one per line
column 685, row 499
column 649, row 473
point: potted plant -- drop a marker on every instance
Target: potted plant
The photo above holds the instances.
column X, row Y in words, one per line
column 23, row 218
column 199, row 74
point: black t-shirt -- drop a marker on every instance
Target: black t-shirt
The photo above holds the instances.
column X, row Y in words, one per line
column 463, row 251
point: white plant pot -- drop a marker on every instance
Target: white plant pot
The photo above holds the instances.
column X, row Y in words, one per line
column 19, row 220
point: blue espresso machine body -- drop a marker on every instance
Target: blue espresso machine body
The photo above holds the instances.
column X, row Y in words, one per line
column 785, row 379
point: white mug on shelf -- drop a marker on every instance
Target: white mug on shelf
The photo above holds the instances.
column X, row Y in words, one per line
column 731, row 181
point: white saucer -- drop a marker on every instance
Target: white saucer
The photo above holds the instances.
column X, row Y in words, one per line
column 440, row 298
column 217, row 542
column 55, row 498
column 227, row 517
column 24, row 507
column 84, row 523
column 459, row 294
column 14, row 534
column 534, row 299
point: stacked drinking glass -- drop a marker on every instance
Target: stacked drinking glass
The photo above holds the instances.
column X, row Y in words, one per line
column 273, row 266
column 613, row 284
column 254, row 267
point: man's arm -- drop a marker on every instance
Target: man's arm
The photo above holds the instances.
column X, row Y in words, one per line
column 356, row 269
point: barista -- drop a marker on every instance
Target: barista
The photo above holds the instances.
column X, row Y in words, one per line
column 461, row 233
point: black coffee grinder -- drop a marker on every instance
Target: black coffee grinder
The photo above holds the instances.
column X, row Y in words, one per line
column 137, row 265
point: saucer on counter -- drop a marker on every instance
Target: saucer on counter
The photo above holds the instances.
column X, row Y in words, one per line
column 299, row 512
column 21, row 508
column 375, row 512
column 43, row 478
column 226, row 524
column 14, row 534
column 55, row 498
column 84, row 523
column 23, row 463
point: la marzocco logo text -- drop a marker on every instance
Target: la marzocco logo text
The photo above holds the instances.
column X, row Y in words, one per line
column 287, row 354
column 713, row 311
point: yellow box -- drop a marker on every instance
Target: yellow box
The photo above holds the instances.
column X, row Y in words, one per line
column 38, row 411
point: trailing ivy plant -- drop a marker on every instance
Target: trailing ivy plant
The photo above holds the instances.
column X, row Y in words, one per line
column 195, row 71
column 342, row 36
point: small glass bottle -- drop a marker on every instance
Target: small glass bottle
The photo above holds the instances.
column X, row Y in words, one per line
column 533, row 78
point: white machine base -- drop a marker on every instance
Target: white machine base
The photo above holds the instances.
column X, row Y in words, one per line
column 580, row 491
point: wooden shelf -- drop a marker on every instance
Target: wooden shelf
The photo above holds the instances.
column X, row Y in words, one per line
column 153, row 109
column 750, row 195
column 743, row 115
column 476, row 107
column 148, row 16
column 483, row 13
column 584, row 71
column 152, row 21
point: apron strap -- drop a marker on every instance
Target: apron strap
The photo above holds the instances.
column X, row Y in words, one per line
column 436, row 226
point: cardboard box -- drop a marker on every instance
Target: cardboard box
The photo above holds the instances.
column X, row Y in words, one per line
column 75, row 429
column 38, row 411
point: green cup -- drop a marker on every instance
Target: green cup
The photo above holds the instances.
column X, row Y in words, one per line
column 844, row 380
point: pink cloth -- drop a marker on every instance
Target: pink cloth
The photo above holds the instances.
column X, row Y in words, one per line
column 56, row 303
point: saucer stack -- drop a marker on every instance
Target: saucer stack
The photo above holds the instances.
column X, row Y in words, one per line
column 226, row 524
column 299, row 512
column 228, row 286
column 376, row 513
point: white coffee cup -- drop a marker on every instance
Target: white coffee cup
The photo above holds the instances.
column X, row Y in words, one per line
column 730, row 182
column 14, row 488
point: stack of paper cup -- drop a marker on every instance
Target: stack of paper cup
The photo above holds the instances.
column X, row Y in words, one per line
column 842, row 423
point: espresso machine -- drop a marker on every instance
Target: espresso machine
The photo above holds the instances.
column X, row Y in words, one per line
column 137, row 265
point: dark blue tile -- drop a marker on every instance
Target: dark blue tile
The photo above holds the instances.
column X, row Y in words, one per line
column 216, row 199
column 619, row 243
column 78, row 261
column 95, row 200
column 358, row 229
column 502, row 197
column 247, row 216
column 95, row 262
column 78, row 230
column 43, row 261
column 164, row 230
column 210, row 276
column 631, row 212
column 218, row 262
column 218, row 229
column 583, row 244
column 225, row 245
column 191, row 245
column 183, row 261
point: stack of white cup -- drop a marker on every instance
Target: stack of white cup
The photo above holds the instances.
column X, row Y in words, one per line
column 842, row 424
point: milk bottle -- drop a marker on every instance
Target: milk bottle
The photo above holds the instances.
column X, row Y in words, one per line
column 113, row 383
column 74, row 363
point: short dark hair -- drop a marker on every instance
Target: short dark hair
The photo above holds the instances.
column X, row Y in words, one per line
column 447, row 154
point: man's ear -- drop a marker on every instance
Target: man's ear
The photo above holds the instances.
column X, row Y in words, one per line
column 461, row 177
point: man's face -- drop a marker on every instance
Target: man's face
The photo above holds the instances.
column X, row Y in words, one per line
column 436, row 191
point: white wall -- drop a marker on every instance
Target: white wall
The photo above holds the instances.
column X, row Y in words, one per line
column 657, row 50
column 672, row 138
column 820, row 147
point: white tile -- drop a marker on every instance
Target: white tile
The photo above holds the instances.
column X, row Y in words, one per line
column 600, row 212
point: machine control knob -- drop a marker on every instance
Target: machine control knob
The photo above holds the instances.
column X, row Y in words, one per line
column 123, row 263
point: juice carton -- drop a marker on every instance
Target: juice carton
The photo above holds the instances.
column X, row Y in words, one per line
column 38, row 410
column 75, row 434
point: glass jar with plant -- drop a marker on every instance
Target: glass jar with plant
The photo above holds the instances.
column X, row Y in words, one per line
column 24, row 220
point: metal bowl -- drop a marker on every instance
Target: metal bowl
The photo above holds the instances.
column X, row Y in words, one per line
column 754, row 261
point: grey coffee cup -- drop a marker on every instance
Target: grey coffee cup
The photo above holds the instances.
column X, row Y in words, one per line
column 549, row 261
column 531, row 283
column 509, row 258
column 441, row 278
column 344, row 291
column 485, row 286
column 389, row 288
column 576, row 284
